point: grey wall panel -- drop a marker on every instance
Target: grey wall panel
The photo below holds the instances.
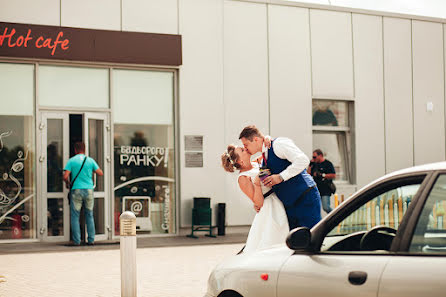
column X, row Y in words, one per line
column 44, row 12
column 290, row 74
column 201, row 100
column 154, row 16
column 99, row 14
column 245, row 86
column 369, row 101
column 398, row 93
column 428, row 87
column 331, row 50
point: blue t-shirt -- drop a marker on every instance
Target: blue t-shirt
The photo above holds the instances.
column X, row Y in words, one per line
column 85, row 178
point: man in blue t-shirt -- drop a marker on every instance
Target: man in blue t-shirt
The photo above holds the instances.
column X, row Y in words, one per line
column 81, row 191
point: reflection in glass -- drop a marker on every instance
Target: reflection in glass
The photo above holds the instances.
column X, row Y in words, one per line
column 430, row 232
column 55, row 216
column 17, row 192
column 96, row 147
column 330, row 113
column 144, row 155
column 98, row 214
column 334, row 147
column 54, row 155
column 387, row 209
column 144, row 168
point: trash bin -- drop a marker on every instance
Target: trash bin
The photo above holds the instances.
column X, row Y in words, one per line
column 221, row 218
column 201, row 216
column 202, row 202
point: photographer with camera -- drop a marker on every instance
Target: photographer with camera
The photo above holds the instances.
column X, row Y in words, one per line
column 323, row 173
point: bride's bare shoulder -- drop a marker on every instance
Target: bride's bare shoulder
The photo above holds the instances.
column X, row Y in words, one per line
column 244, row 182
column 243, row 178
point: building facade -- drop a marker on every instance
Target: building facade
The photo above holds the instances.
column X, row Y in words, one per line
column 158, row 88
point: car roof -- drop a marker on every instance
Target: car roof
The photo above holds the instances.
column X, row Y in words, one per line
column 419, row 168
column 415, row 169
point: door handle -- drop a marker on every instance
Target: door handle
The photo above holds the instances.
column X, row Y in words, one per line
column 357, row 278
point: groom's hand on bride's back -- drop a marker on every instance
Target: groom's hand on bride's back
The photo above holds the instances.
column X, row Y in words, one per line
column 257, row 181
column 267, row 140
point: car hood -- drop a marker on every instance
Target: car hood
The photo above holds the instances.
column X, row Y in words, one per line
column 242, row 273
column 270, row 258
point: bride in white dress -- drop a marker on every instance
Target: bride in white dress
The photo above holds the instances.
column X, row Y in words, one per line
column 270, row 225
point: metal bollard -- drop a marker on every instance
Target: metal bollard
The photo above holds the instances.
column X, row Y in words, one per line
column 127, row 222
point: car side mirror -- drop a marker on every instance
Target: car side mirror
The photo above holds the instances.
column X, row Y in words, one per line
column 299, row 239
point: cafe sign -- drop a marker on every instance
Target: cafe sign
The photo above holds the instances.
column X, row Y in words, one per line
column 10, row 38
column 75, row 44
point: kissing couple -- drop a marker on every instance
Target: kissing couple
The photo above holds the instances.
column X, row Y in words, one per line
column 285, row 196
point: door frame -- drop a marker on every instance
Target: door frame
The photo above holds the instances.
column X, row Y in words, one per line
column 106, row 194
column 42, row 169
column 41, row 140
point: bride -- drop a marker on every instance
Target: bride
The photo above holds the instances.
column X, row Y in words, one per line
column 270, row 225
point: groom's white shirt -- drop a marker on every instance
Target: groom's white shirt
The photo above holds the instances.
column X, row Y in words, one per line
column 285, row 148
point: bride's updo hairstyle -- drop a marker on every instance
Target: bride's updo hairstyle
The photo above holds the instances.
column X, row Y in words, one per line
column 230, row 158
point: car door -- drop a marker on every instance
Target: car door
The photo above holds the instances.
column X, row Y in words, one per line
column 418, row 269
column 338, row 266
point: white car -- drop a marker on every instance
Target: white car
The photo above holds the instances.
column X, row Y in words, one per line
column 388, row 239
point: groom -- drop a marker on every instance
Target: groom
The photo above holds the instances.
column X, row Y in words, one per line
column 289, row 180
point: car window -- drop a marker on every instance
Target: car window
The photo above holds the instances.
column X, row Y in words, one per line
column 386, row 209
column 430, row 231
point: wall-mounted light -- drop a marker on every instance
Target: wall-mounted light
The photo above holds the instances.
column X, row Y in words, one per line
column 429, row 106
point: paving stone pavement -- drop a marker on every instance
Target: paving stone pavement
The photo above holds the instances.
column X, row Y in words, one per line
column 161, row 271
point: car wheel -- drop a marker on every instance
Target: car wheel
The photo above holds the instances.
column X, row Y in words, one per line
column 229, row 294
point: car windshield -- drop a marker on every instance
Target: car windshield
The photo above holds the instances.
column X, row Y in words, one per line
column 387, row 209
column 383, row 209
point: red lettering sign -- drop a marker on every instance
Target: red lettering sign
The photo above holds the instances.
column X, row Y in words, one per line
column 41, row 42
column 10, row 39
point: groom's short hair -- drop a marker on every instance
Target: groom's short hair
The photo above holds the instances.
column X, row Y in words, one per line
column 249, row 132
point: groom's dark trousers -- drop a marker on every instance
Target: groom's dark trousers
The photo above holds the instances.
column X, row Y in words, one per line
column 299, row 194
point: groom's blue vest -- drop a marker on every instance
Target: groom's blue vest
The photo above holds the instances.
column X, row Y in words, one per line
column 305, row 212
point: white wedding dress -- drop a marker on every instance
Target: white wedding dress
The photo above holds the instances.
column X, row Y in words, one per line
column 270, row 225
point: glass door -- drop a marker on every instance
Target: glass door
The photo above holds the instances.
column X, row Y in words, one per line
column 97, row 143
column 54, row 153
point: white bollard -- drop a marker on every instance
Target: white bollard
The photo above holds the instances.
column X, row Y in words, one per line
column 127, row 222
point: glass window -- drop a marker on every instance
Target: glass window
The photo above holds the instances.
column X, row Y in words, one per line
column 73, row 87
column 330, row 113
column 386, row 209
column 143, row 97
column 144, row 149
column 54, row 155
column 55, row 211
column 17, row 172
column 430, row 232
column 96, row 148
column 334, row 146
column 17, row 89
column 331, row 134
